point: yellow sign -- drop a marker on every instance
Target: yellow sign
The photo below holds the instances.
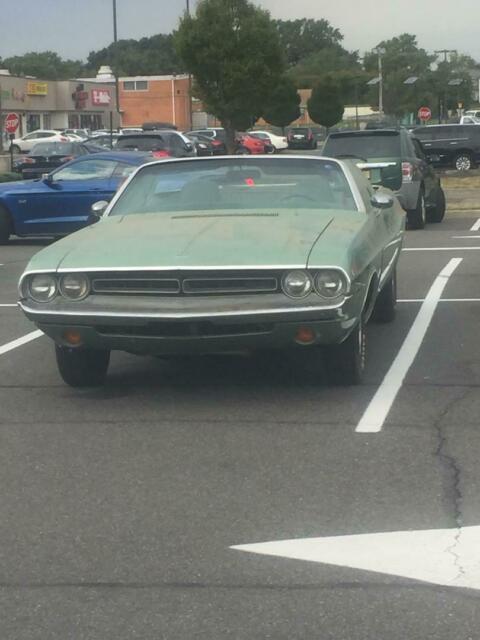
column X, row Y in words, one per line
column 37, row 88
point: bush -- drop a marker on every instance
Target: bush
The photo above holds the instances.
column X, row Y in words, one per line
column 10, row 177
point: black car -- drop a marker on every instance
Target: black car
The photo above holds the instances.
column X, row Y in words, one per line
column 203, row 145
column 395, row 159
column 46, row 156
column 301, row 138
column 160, row 143
column 451, row 145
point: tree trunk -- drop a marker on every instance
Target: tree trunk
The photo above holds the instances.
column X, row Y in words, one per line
column 229, row 137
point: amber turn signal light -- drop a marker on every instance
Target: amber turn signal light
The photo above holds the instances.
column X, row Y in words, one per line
column 305, row 335
column 72, row 338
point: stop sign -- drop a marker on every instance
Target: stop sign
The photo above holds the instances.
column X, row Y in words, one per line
column 11, row 122
column 424, row 113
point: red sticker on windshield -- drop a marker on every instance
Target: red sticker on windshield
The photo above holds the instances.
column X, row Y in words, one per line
column 250, row 182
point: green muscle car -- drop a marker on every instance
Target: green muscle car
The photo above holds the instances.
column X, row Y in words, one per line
column 223, row 254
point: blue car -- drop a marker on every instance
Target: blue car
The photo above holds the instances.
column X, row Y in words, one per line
column 60, row 203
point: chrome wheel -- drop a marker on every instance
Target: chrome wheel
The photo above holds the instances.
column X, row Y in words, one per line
column 463, row 162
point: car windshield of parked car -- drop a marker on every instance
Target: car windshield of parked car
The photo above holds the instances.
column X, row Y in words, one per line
column 53, row 149
column 363, row 146
column 236, row 185
column 140, row 143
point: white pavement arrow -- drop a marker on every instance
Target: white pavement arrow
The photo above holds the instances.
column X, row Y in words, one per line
column 448, row 557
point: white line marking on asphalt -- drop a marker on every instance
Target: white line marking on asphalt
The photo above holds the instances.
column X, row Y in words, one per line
column 441, row 249
column 381, row 403
column 442, row 300
column 465, row 237
column 448, row 557
column 9, row 305
column 476, row 226
column 10, row 346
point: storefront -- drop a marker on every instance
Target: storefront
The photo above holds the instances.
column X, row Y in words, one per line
column 57, row 104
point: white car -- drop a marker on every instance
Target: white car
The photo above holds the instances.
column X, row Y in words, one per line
column 28, row 141
column 279, row 142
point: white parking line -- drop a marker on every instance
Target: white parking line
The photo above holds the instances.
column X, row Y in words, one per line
column 441, row 249
column 377, row 411
column 8, row 305
column 466, row 237
column 10, row 346
column 442, row 300
column 476, row 226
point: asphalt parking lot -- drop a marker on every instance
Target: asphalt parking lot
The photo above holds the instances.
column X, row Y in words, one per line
column 120, row 506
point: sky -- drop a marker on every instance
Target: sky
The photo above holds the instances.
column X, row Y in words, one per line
column 73, row 28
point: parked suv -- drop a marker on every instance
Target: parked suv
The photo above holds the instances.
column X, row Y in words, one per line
column 451, row 145
column 301, row 138
column 396, row 160
column 160, row 143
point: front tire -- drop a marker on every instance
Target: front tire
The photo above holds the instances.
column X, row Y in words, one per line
column 345, row 362
column 386, row 302
column 417, row 217
column 5, row 225
column 81, row 367
column 438, row 212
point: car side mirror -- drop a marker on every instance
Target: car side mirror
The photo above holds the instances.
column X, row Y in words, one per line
column 382, row 201
column 47, row 178
column 98, row 209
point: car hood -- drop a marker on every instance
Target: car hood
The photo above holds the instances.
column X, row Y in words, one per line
column 18, row 185
column 199, row 239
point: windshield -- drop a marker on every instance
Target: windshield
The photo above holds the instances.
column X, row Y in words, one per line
column 53, row 149
column 236, row 185
column 363, row 146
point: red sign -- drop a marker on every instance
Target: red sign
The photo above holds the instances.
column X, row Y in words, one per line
column 101, row 97
column 11, row 122
column 424, row 113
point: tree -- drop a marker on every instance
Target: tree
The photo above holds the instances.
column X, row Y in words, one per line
column 148, row 56
column 307, row 73
column 303, row 37
column 325, row 106
column 232, row 49
column 46, row 65
column 283, row 106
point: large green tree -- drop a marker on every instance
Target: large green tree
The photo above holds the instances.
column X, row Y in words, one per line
column 148, row 56
column 232, row 49
column 313, row 67
column 283, row 106
column 325, row 105
column 46, row 65
column 304, row 37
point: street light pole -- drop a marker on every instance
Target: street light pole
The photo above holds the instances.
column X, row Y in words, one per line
column 380, row 53
column 189, row 85
column 115, row 70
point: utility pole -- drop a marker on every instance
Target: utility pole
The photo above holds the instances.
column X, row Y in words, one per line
column 441, row 103
column 115, row 70
column 380, row 52
column 189, row 84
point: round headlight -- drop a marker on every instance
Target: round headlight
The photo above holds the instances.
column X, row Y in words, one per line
column 330, row 283
column 297, row 284
column 75, row 286
column 42, row 287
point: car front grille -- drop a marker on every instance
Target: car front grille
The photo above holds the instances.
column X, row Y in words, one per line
column 195, row 329
column 185, row 284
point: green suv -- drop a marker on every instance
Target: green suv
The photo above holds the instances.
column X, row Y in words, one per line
column 394, row 159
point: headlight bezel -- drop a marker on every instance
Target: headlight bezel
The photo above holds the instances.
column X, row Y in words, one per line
column 308, row 284
column 342, row 289
column 80, row 276
column 28, row 287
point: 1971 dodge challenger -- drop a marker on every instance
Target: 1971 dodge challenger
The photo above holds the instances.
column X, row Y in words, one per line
column 223, row 254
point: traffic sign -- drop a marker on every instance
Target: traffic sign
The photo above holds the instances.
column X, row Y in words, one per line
column 11, row 122
column 424, row 113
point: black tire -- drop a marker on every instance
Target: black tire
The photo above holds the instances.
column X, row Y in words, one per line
column 242, row 151
column 463, row 162
column 5, row 225
column 345, row 362
column 386, row 302
column 16, row 148
column 418, row 217
column 82, row 367
column 437, row 213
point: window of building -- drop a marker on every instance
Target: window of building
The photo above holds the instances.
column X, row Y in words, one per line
column 33, row 122
column 135, row 85
column 47, row 121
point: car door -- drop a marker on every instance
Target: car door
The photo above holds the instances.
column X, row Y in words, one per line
column 63, row 206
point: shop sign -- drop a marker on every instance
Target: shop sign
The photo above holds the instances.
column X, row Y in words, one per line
column 80, row 97
column 101, row 97
column 12, row 94
column 37, row 88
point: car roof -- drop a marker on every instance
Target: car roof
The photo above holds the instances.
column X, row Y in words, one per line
column 130, row 157
column 391, row 131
